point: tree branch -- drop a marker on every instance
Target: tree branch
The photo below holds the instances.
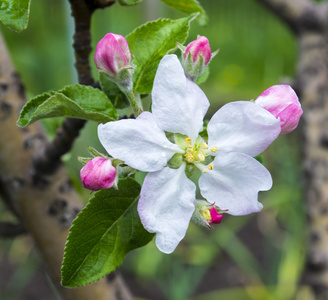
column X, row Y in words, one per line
column 47, row 204
column 299, row 15
column 10, row 230
column 47, row 160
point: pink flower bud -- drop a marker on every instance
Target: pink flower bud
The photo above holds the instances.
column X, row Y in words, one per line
column 282, row 102
column 98, row 174
column 112, row 53
column 197, row 48
column 196, row 57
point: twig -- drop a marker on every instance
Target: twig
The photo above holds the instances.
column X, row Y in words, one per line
column 10, row 230
column 47, row 206
column 47, row 160
column 299, row 15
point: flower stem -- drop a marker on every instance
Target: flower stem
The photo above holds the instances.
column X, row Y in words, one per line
column 135, row 101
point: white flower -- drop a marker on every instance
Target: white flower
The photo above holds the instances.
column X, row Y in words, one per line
column 231, row 177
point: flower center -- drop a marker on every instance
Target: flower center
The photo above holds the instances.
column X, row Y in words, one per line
column 196, row 155
column 199, row 154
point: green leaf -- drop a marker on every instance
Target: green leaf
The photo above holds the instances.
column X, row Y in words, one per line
column 102, row 234
column 113, row 92
column 149, row 43
column 15, row 13
column 189, row 7
column 74, row 101
column 129, row 2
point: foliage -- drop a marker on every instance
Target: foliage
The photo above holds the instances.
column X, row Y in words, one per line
column 189, row 6
column 15, row 13
column 106, row 229
column 149, row 43
column 74, row 101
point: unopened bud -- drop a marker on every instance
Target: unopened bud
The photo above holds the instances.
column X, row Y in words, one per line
column 196, row 57
column 98, row 174
column 113, row 58
column 282, row 102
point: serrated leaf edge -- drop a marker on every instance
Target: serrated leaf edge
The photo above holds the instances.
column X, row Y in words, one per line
column 68, row 240
column 61, row 92
column 13, row 28
column 189, row 19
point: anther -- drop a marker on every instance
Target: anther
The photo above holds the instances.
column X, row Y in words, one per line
column 205, row 146
column 205, row 171
column 201, row 157
column 214, row 149
column 188, row 140
column 210, row 167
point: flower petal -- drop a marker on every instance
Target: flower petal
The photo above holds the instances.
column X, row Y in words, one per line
column 244, row 127
column 179, row 105
column 234, row 183
column 140, row 143
column 166, row 206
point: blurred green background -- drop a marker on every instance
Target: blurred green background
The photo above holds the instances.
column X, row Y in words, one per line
column 252, row 257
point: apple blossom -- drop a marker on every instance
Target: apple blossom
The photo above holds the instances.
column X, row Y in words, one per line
column 98, row 174
column 282, row 102
column 230, row 176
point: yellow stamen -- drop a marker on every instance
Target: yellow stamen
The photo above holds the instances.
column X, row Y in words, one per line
column 205, row 146
column 201, row 157
column 205, row 171
column 214, row 149
column 188, row 140
column 210, row 167
column 189, row 157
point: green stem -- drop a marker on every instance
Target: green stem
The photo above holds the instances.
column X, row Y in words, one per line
column 135, row 102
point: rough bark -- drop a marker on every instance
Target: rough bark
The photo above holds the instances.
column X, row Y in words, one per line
column 309, row 22
column 46, row 204
column 312, row 78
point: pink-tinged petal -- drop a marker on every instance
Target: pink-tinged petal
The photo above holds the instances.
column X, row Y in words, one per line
column 234, row 183
column 124, row 46
column 179, row 105
column 282, row 102
column 244, row 127
column 166, row 205
column 98, row 174
column 140, row 143
column 112, row 53
column 289, row 118
column 199, row 47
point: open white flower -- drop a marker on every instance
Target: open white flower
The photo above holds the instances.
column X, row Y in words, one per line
column 231, row 177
